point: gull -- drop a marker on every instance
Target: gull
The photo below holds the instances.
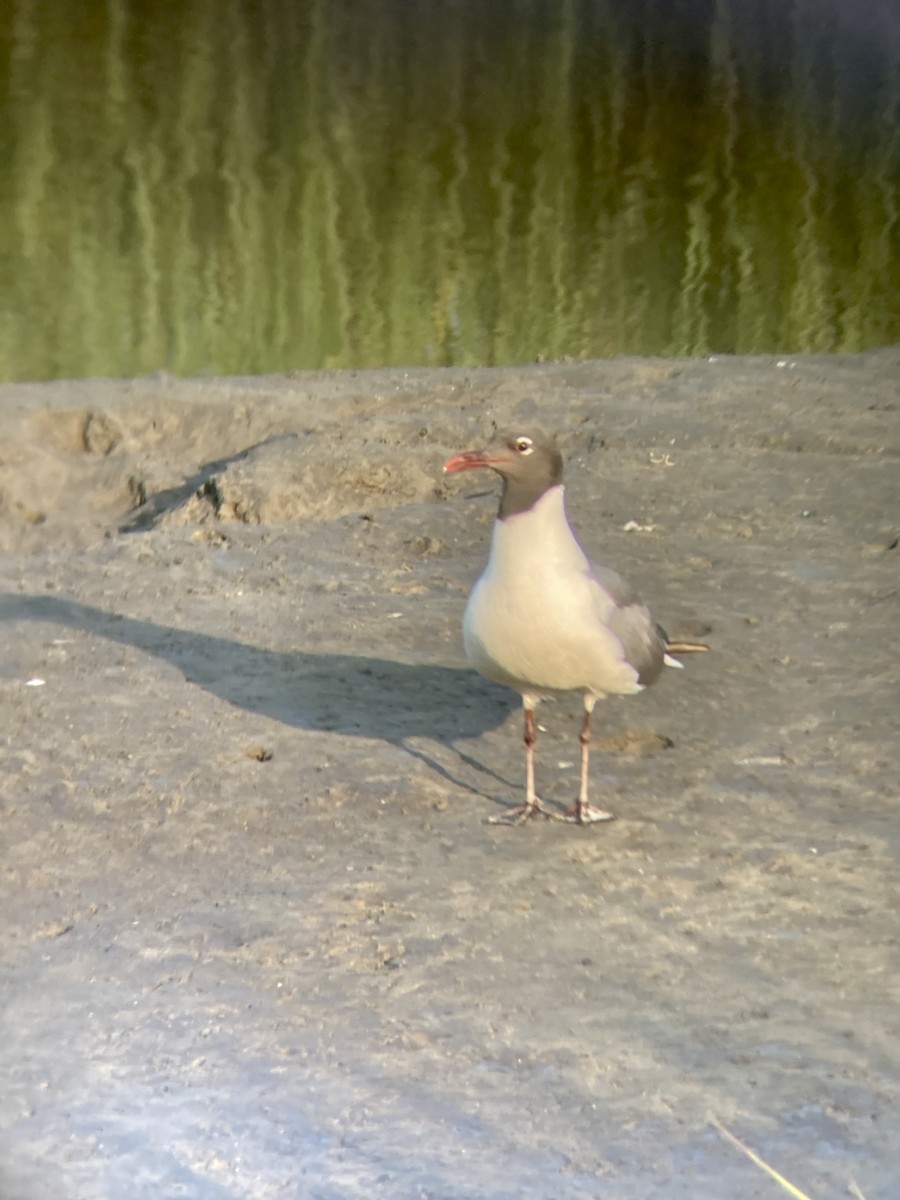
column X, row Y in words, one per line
column 542, row 619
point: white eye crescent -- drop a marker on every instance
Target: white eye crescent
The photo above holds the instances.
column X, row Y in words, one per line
column 524, row 445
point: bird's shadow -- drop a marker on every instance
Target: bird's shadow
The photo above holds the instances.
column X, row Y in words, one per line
column 349, row 694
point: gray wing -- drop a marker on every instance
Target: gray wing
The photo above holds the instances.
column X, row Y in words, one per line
column 641, row 638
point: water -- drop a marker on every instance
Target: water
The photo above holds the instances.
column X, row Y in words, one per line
column 217, row 186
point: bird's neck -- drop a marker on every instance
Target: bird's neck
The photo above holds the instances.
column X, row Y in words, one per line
column 536, row 538
column 521, row 496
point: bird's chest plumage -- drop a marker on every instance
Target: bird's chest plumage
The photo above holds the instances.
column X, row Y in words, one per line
column 535, row 619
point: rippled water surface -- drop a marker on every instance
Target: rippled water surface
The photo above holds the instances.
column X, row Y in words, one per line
column 212, row 185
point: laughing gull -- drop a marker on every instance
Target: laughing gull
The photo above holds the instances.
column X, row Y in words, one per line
column 542, row 619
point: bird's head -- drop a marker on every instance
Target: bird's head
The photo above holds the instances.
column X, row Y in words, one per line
column 526, row 459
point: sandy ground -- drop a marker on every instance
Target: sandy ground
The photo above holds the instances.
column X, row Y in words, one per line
column 257, row 940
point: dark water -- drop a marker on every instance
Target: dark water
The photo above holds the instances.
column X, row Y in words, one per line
column 220, row 186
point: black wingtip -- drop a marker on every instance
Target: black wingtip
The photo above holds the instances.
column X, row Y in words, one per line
column 687, row 647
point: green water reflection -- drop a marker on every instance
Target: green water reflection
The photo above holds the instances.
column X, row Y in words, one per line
column 235, row 187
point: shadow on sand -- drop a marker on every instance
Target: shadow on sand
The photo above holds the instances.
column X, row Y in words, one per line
column 341, row 693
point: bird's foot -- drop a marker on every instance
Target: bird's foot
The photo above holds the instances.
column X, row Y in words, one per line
column 522, row 813
column 585, row 814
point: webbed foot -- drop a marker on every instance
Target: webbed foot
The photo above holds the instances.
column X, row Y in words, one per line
column 585, row 814
column 522, row 813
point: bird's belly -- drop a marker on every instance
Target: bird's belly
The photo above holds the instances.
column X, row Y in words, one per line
column 545, row 643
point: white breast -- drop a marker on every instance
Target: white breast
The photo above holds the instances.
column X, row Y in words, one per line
column 536, row 619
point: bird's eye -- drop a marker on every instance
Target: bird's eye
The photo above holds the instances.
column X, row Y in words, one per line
column 524, row 445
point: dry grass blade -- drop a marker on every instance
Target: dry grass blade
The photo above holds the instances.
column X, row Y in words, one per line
column 853, row 1187
column 754, row 1158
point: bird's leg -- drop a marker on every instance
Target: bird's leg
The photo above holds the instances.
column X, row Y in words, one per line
column 531, row 799
column 533, row 805
column 583, row 812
